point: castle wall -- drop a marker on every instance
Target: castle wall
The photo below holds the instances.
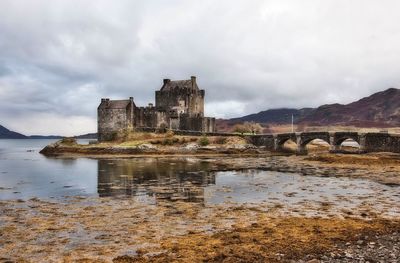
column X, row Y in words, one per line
column 182, row 100
column 179, row 106
column 198, row 123
column 110, row 121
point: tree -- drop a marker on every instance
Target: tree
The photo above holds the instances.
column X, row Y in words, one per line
column 248, row 127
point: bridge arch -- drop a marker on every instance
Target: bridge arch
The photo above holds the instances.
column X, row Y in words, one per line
column 305, row 138
column 338, row 138
column 281, row 139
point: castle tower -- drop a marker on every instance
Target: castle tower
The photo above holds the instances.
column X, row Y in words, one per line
column 182, row 96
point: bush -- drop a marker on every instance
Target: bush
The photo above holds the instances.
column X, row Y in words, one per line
column 169, row 134
column 248, row 127
column 68, row 140
column 167, row 141
column 203, row 141
column 220, row 140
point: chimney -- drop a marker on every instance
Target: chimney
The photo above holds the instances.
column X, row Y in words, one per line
column 166, row 81
column 131, row 98
column 193, row 78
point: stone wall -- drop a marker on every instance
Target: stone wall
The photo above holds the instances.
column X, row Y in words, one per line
column 380, row 142
column 183, row 101
column 112, row 120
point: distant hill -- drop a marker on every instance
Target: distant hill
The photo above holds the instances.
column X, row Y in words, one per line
column 87, row 136
column 273, row 116
column 7, row 134
column 381, row 109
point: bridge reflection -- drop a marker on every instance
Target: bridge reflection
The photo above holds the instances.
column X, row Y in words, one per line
column 166, row 179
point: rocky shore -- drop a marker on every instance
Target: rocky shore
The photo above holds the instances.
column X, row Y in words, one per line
column 176, row 145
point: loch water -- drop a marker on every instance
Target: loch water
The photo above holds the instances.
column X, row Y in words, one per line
column 25, row 174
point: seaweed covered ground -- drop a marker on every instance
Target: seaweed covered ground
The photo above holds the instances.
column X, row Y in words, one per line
column 349, row 226
column 112, row 230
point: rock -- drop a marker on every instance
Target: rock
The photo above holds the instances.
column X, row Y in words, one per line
column 147, row 146
column 191, row 146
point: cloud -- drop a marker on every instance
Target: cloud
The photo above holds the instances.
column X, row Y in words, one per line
column 58, row 58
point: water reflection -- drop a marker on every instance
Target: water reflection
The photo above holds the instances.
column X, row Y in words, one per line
column 168, row 179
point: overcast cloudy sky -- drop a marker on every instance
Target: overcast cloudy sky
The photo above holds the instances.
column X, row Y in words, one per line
column 59, row 57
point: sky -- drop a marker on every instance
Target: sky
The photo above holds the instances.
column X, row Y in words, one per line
column 58, row 58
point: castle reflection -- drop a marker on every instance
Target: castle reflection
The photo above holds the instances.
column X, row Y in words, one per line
column 167, row 179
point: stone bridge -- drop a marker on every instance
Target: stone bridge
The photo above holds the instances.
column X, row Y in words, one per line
column 368, row 142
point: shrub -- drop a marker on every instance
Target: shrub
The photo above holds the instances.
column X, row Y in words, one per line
column 167, row 141
column 203, row 141
column 68, row 140
column 248, row 127
column 169, row 134
column 121, row 135
column 220, row 140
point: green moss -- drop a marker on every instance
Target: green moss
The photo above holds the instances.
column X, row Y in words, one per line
column 203, row 141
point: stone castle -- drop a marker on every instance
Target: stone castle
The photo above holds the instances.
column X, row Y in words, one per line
column 179, row 106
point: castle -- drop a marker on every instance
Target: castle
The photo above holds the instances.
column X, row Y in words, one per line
column 179, row 106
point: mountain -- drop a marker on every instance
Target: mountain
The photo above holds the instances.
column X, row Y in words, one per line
column 381, row 109
column 273, row 116
column 7, row 134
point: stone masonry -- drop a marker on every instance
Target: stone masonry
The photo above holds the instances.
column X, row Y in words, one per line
column 179, row 105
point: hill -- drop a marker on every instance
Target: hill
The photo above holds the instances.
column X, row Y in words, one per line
column 381, row 109
column 7, row 134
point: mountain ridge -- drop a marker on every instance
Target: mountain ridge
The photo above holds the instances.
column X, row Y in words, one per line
column 381, row 109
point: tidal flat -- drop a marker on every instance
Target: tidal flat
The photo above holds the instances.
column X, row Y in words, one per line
column 317, row 208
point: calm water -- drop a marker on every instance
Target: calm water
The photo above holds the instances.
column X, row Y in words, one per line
column 24, row 173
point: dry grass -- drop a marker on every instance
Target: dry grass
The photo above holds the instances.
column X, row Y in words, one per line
column 169, row 139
